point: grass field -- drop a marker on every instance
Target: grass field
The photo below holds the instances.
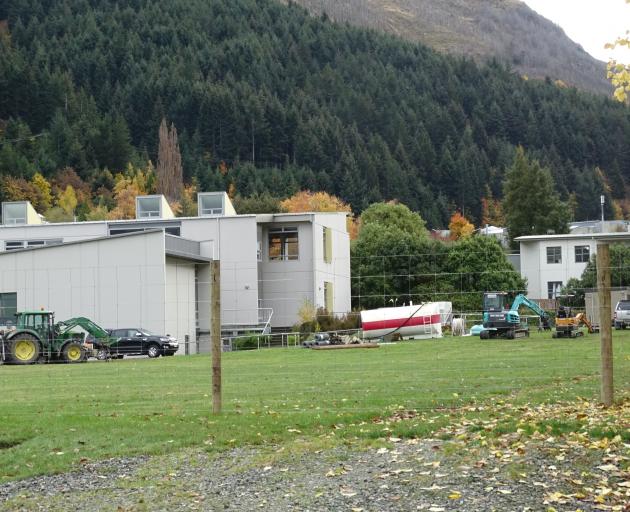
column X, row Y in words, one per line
column 55, row 417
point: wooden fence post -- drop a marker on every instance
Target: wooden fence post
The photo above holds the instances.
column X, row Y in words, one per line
column 215, row 332
column 605, row 327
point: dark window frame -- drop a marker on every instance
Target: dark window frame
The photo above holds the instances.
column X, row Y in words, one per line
column 582, row 252
column 281, row 241
column 8, row 307
column 553, row 290
column 554, row 255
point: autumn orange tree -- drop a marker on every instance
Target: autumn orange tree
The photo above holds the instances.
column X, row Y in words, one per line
column 307, row 201
column 460, row 227
column 491, row 210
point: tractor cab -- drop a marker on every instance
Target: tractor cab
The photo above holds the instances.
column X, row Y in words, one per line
column 41, row 322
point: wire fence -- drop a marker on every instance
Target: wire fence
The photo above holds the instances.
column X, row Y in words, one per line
column 150, row 311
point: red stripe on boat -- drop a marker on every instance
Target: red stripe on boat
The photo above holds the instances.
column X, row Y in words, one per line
column 398, row 322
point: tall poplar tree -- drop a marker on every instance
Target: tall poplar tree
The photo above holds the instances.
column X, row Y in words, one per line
column 169, row 172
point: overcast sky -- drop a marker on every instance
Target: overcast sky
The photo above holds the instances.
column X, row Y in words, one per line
column 591, row 23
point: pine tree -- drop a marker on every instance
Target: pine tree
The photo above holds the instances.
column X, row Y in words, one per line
column 531, row 205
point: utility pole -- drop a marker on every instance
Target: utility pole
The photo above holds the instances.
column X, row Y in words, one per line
column 605, row 328
column 215, row 335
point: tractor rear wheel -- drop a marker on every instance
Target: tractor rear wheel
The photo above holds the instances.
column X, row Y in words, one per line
column 24, row 349
column 73, row 352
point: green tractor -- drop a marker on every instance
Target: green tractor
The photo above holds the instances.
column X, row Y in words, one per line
column 37, row 337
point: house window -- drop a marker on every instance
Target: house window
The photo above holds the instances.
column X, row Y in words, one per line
column 327, row 245
column 8, row 308
column 283, row 244
column 582, row 253
column 328, row 297
column 553, row 289
column 554, row 255
column 259, row 251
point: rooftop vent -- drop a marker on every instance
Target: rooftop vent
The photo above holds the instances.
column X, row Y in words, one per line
column 17, row 213
column 210, row 204
column 153, row 207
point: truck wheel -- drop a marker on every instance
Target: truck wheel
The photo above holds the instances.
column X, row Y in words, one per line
column 24, row 349
column 102, row 354
column 73, row 353
column 154, row 351
column 484, row 335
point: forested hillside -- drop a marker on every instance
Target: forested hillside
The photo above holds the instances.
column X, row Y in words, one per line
column 507, row 30
column 266, row 98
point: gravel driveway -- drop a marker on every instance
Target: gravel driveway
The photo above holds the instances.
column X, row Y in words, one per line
column 430, row 475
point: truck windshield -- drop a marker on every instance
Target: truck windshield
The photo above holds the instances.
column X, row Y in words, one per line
column 624, row 306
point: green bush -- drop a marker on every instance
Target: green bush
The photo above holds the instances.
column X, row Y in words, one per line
column 248, row 341
column 328, row 322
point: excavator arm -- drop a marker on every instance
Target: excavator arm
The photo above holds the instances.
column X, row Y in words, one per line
column 581, row 318
column 522, row 300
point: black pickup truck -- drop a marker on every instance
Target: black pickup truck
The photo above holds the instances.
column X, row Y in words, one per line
column 138, row 341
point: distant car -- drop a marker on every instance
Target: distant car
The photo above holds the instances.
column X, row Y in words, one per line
column 622, row 314
column 139, row 341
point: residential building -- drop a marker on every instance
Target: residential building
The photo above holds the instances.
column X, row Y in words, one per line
column 154, row 271
column 549, row 261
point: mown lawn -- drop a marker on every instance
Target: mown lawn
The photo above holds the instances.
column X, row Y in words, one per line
column 55, row 417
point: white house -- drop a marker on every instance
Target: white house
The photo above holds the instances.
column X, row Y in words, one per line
column 549, row 261
column 154, row 271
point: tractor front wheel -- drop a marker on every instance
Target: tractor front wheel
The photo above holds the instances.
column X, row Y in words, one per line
column 24, row 349
column 73, row 353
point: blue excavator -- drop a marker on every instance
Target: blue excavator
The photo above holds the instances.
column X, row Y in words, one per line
column 502, row 322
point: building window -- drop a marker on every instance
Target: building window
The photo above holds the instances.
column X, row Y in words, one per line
column 283, row 244
column 8, row 308
column 582, row 253
column 12, row 245
column 328, row 297
column 259, row 250
column 553, row 289
column 327, row 245
column 554, row 255
column 169, row 228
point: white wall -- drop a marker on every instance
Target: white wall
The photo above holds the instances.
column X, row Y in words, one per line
column 338, row 270
column 234, row 242
column 115, row 282
column 285, row 285
column 180, row 302
column 538, row 272
column 68, row 232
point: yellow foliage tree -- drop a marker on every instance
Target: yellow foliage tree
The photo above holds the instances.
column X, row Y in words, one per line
column 44, row 198
column 307, row 201
column 619, row 73
column 460, row 227
column 135, row 182
column 67, row 200
column 125, row 193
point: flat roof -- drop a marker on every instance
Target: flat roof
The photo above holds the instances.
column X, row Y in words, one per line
column 176, row 250
column 598, row 237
